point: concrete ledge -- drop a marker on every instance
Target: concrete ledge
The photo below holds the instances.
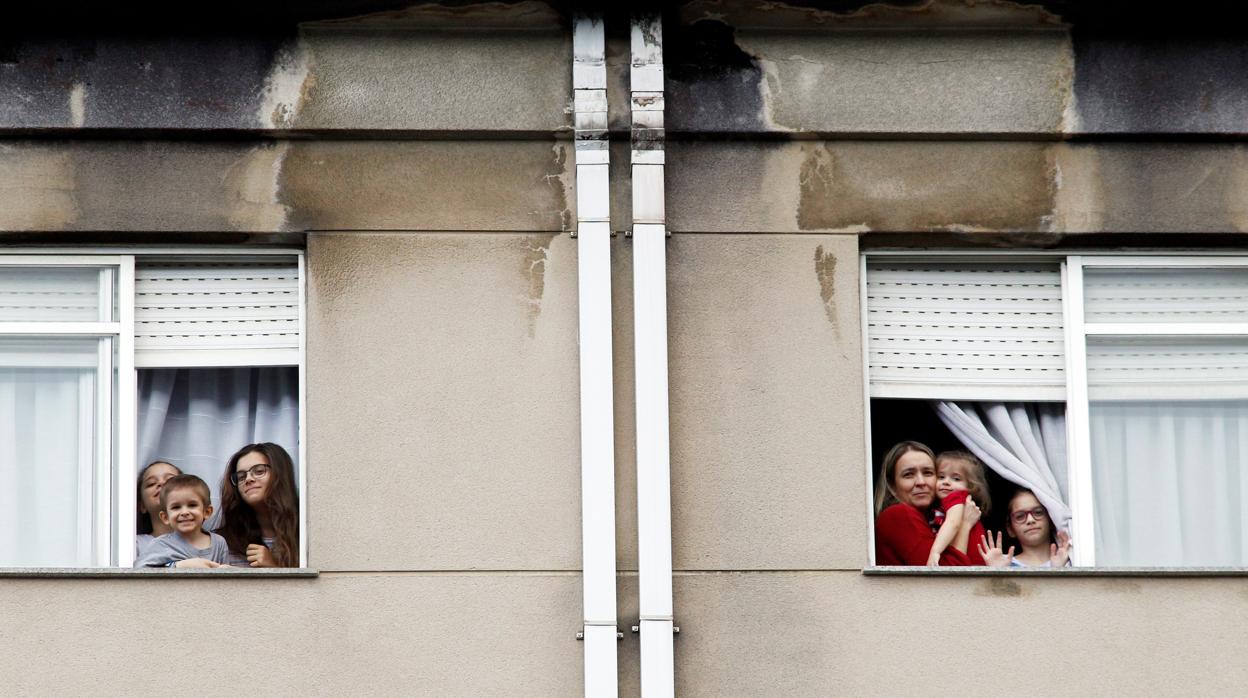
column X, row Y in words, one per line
column 1063, row 572
column 155, row 572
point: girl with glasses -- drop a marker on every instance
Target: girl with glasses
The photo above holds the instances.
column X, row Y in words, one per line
column 260, row 507
column 1029, row 523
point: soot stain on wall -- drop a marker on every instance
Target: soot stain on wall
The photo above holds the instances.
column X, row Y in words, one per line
column 712, row 84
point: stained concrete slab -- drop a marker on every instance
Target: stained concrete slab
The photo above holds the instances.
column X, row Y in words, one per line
column 745, row 79
column 1001, row 193
column 1152, row 188
column 429, row 185
column 390, row 74
column 284, row 186
column 1161, row 85
column 138, row 81
column 861, row 186
column 411, row 80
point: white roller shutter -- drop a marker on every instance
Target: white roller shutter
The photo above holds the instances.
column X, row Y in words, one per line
column 957, row 330
column 49, row 294
column 1167, row 304
column 218, row 311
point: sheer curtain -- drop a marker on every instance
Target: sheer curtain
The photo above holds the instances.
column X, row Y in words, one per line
column 1024, row 443
column 1168, row 413
column 47, row 454
column 196, row 418
column 1170, row 483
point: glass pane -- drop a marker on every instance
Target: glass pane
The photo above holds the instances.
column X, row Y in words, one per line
column 48, row 389
column 1165, row 295
column 1169, row 433
column 50, row 294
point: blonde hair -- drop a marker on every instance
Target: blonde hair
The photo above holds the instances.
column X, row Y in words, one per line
column 885, row 495
column 976, row 482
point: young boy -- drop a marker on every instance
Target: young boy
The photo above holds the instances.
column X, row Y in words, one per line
column 185, row 503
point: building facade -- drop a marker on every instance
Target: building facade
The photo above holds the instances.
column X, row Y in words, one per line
column 420, row 163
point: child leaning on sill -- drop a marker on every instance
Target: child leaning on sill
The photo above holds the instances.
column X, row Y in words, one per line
column 185, row 502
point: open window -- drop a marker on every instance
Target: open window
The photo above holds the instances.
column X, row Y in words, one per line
column 1114, row 387
column 108, row 362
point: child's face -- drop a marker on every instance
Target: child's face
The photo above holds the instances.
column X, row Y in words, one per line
column 185, row 511
column 950, row 476
column 256, row 482
column 155, row 478
column 1034, row 527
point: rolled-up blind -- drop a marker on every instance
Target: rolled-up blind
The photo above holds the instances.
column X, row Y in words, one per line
column 1167, row 368
column 217, row 311
column 1161, row 367
column 38, row 293
column 965, row 330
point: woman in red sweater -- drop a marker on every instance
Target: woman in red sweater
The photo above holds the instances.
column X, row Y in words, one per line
column 903, row 535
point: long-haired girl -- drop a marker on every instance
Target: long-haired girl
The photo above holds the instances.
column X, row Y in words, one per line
column 260, row 507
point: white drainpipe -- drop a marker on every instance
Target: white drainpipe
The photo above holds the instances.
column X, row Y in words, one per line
column 593, row 231
column 654, row 500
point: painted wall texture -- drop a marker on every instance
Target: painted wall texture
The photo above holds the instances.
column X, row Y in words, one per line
column 421, row 154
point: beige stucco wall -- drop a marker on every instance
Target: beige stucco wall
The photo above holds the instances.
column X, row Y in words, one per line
column 444, row 508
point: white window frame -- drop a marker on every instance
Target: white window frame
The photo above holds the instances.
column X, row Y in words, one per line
column 1076, row 332
column 114, row 491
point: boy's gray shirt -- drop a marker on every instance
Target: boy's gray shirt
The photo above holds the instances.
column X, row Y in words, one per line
column 171, row 547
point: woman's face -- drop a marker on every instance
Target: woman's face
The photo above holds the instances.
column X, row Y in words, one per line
column 254, row 482
column 155, row 478
column 1034, row 529
column 914, row 479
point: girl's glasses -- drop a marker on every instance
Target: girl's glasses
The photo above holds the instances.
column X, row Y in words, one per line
column 257, row 471
column 1039, row 514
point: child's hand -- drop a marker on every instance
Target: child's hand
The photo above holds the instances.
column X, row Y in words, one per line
column 260, row 556
column 933, row 560
column 991, row 551
column 1059, row 554
column 197, row 562
column 970, row 513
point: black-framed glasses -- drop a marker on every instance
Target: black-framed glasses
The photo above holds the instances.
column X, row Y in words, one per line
column 1039, row 514
column 258, row 471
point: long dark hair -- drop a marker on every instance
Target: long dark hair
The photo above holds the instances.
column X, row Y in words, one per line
column 143, row 525
column 240, row 526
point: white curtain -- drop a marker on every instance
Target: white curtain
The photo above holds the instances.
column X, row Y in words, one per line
column 1170, row 482
column 47, row 454
column 196, row 418
column 1024, row 443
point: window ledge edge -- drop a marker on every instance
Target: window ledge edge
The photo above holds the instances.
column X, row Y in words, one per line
column 156, row 573
column 888, row 571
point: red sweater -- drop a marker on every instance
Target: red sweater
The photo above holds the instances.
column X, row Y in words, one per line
column 903, row 537
column 977, row 531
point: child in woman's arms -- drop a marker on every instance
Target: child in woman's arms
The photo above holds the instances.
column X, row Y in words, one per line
column 959, row 477
column 185, row 502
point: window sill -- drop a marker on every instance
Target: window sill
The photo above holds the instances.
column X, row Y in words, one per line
column 155, row 573
column 1060, row 572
